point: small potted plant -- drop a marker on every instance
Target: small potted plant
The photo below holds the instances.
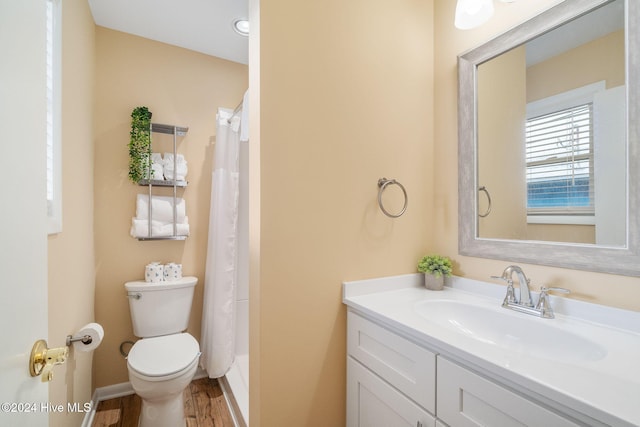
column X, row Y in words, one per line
column 140, row 144
column 435, row 268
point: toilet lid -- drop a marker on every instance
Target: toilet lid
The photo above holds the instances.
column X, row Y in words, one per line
column 161, row 356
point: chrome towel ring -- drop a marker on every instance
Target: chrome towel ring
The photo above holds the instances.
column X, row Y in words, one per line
column 382, row 184
column 483, row 188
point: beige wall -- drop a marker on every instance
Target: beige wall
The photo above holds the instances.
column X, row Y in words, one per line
column 501, row 117
column 71, row 252
column 346, row 97
column 601, row 59
column 618, row 291
column 180, row 87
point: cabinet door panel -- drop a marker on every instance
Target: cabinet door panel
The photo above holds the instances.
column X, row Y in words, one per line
column 466, row 399
column 371, row 402
column 402, row 363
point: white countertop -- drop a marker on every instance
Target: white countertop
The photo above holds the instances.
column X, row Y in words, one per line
column 607, row 389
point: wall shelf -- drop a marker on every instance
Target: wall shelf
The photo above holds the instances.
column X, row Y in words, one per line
column 163, row 183
column 176, row 131
column 144, row 239
column 169, row 129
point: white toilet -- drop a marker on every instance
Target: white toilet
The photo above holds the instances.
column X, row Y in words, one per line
column 162, row 364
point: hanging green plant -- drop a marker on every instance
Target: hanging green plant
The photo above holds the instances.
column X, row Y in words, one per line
column 140, row 144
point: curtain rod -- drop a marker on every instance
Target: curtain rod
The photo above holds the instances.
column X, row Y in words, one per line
column 235, row 111
column 238, row 108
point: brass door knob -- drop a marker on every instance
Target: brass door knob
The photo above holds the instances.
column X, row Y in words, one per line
column 43, row 359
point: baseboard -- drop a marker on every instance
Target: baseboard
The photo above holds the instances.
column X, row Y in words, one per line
column 113, row 391
column 234, row 409
column 200, row 373
column 87, row 421
column 105, row 393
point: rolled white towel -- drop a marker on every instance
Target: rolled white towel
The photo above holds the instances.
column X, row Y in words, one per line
column 168, row 158
column 162, row 208
column 157, row 171
column 178, row 177
column 181, row 171
column 140, row 228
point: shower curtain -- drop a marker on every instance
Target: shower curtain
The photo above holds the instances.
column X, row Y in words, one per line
column 217, row 341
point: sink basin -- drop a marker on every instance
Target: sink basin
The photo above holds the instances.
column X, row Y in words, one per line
column 510, row 331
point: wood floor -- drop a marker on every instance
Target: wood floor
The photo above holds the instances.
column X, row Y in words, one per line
column 204, row 406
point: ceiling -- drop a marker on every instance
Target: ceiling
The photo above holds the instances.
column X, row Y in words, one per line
column 204, row 26
column 588, row 27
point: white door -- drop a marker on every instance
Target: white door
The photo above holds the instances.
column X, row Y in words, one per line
column 23, row 235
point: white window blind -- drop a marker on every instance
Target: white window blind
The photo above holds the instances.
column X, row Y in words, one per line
column 559, row 156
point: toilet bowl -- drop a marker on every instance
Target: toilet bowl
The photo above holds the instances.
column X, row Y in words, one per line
column 162, row 364
column 160, row 368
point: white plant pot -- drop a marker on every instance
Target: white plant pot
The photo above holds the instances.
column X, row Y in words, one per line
column 432, row 282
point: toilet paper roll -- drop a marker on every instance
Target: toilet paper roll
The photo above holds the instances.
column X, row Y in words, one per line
column 172, row 271
column 154, row 273
column 95, row 331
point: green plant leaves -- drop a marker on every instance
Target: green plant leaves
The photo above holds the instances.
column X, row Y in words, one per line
column 140, row 144
column 436, row 265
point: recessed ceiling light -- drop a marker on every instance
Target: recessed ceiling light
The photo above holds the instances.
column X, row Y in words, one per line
column 241, row 26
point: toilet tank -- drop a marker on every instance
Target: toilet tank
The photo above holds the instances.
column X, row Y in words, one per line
column 160, row 308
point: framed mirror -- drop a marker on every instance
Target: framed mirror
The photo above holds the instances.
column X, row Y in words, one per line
column 549, row 138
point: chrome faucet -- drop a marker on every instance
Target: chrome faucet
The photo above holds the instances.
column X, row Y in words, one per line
column 525, row 305
column 523, row 282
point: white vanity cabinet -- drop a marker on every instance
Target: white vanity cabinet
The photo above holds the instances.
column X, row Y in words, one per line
column 456, row 358
column 394, row 382
column 372, row 402
column 466, row 399
column 390, row 380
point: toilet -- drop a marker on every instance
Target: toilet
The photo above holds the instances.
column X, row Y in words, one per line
column 162, row 364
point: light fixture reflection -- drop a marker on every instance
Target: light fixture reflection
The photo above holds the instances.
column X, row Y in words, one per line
column 472, row 13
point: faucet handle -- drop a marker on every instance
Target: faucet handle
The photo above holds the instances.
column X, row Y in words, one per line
column 543, row 305
column 510, row 298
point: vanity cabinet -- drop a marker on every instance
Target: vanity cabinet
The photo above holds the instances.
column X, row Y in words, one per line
column 372, row 402
column 392, row 381
column 466, row 399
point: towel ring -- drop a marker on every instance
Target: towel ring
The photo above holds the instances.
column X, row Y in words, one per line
column 382, row 184
column 483, row 188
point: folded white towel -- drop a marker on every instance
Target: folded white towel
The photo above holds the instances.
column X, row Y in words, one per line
column 162, row 208
column 157, row 171
column 156, row 158
column 140, row 228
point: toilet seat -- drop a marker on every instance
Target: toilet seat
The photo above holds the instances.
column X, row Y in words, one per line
column 159, row 357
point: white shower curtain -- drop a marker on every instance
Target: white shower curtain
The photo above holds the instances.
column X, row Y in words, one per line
column 217, row 341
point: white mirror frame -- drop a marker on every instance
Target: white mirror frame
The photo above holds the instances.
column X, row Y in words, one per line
column 623, row 260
